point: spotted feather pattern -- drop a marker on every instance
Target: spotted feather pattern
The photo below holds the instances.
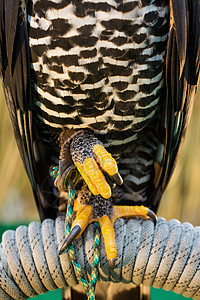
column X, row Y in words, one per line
column 99, row 65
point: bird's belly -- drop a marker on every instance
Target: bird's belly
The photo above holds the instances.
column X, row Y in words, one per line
column 97, row 65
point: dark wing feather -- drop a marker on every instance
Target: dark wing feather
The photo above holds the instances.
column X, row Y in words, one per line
column 15, row 75
column 182, row 73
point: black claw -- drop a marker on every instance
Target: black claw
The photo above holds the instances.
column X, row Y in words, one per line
column 71, row 237
column 111, row 263
column 111, row 183
column 63, row 248
column 152, row 215
column 117, row 178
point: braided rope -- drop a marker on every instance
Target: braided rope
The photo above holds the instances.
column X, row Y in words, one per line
column 96, row 259
column 68, row 223
column 165, row 256
column 88, row 286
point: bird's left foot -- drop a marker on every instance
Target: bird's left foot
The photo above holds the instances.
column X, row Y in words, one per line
column 96, row 165
column 83, row 154
column 85, row 216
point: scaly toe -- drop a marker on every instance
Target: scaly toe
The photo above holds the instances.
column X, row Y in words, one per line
column 93, row 161
column 108, row 233
column 133, row 211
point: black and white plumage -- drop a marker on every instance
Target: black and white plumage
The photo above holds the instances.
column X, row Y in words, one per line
column 97, row 63
column 100, row 66
column 127, row 70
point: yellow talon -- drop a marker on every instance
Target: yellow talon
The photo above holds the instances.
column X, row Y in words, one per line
column 129, row 212
column 108, row 236
column 88, row 181
column 97, row 177
column 93, row 162
column 85, row 216
column 106, row 161
column 94, row 178
column 78, row 206
column 82, row 218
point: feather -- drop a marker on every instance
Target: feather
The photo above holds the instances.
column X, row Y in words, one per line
column 182, row 74
column 15, row 74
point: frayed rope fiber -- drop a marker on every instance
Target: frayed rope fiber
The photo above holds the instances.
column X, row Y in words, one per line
column 163, row 256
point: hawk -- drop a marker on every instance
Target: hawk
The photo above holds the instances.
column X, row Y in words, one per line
column 104, row 90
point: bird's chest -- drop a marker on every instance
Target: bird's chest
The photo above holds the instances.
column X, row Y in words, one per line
column 98, row 64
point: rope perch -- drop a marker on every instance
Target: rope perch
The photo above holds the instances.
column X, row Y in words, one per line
column 165, row 256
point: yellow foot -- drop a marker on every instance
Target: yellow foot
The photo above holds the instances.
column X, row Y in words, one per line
column 85, row 216
column 92, row 160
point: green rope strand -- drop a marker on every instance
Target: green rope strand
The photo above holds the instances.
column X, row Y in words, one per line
column 88, row 287
column 96, row 258
column 68, row 224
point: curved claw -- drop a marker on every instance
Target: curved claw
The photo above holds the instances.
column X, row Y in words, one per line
column 108, row 178
column 111, row 263
column 152, row 216
column 117, row 178
column 71, row 237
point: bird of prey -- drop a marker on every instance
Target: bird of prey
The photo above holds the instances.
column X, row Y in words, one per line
column 104, row 90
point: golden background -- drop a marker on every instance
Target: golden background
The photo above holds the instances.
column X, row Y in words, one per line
column 181, row 200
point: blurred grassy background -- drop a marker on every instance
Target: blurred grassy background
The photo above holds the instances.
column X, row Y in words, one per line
column 181, row 199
